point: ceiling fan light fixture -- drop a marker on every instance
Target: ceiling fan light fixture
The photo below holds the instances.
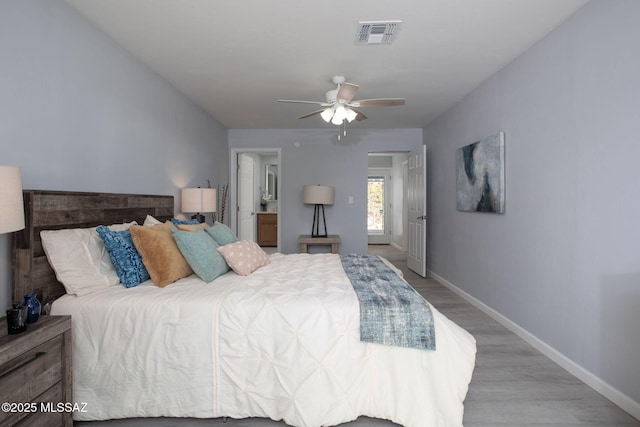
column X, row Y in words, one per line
column 351, row 115
column 327, row 114
column 340, row 107
column 340, row 115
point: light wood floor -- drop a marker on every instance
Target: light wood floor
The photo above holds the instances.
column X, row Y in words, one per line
column 513, row 384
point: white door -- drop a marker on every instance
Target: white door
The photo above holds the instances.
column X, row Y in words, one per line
column 379, row 206
column 417, row 208
column 246, row 204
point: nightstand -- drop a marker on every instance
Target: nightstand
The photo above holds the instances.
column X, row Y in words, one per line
column 35, row 373
column 306, row 240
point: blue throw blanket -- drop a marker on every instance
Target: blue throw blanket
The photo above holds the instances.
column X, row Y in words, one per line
column 391, row 311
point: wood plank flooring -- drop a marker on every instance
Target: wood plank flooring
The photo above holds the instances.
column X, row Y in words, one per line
column 513, row 384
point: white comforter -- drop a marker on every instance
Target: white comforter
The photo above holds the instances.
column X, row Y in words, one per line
column 281, row 343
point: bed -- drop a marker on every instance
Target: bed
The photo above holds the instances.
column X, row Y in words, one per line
column 282, row 342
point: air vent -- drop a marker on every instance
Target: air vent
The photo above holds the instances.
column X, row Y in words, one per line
column 377, row 32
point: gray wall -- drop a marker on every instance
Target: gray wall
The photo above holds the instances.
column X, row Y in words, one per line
column 321, row 159
column 79, row 113
column 563, row 262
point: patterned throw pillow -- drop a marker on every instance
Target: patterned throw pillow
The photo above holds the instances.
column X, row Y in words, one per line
column 244, row 257
column 124, row 256
column 222, row 234
column 177, row 222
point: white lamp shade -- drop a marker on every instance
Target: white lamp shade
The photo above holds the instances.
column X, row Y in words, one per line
column 339, row 115
column 318, row 194
column 327, row 114
column 11, row 203
column 351, row 115
column 198, row 200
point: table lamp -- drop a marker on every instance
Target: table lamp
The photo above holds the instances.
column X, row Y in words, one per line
column 318, row 195
column 11, row 204
column 12, row 219
column 198, row 201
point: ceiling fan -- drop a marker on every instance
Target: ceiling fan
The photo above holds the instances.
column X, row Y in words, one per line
column 340, row 106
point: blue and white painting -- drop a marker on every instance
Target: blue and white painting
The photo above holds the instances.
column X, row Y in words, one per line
column 480, row 180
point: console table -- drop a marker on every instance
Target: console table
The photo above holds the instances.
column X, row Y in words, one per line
column 306, row 240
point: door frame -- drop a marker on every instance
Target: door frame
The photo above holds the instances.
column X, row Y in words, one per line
column 399, row 207
column 233, row 184
column 246, row 215
column 383, row 239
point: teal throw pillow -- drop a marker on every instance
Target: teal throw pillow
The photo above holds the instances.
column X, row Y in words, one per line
column 222, row 234
column 200, row 251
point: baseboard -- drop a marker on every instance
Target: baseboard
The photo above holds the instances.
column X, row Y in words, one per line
column 398, row 247
column 614, row 395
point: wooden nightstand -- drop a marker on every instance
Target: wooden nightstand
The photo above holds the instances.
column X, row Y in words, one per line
column 306, row 240
column 35, row 373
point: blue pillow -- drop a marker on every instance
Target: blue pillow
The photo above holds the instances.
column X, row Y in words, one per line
column 222, row 234
column 200, row 251
column 124, row 256
column 178, row 222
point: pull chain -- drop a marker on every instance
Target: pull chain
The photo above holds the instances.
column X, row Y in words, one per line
column 343, row 131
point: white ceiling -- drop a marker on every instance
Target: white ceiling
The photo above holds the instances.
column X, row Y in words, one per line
column 235, row 58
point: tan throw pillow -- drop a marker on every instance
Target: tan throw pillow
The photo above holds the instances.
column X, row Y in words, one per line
column 244, row 257
column 160, row 254
column 193, row 227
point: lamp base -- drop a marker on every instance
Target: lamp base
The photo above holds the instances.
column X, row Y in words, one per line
column 199, row 217
column 315, row 228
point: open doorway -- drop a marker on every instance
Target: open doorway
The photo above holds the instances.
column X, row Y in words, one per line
column 386, row 200
column 255, row 196
column 379, row 206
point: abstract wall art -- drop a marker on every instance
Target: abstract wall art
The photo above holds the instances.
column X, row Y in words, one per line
column 480, row 175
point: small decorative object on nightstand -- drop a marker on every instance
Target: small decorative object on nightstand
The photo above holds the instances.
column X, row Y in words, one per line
column 33, row 307
column 17, row 319
column 35, row 373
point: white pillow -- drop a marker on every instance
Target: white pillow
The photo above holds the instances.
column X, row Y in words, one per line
column 150, row 220
column 79, row 258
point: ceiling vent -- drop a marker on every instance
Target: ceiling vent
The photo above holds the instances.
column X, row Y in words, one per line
column 377, row 32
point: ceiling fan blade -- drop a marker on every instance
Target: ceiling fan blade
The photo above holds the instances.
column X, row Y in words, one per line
column 347, row 92
column 324, row 104
column 311, row 114
column 361, row 116
column 382, row 102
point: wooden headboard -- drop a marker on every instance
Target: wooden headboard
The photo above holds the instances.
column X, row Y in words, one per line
column 54, row 210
